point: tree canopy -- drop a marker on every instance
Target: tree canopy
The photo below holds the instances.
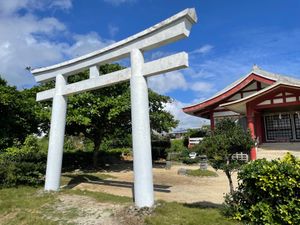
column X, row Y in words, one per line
column 227, row 139
column 18, row 118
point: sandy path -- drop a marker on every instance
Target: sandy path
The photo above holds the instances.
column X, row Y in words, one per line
column 169, row 186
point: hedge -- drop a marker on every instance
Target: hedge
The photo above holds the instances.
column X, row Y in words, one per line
column 268, row 193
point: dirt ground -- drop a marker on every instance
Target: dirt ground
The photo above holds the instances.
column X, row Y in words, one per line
column 168, row 185
column 91, row 212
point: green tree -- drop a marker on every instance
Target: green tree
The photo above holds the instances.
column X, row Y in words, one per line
column 18, row 118
column 227, row 139
column 105, row 114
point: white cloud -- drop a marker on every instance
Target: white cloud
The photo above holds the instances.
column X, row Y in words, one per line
column 8, row 7
column 112, row 30
column 22, row 45
column 27, row 40
column 167, row 82
column 176, row 81
column 86, row 43
column 185, row 121
column 203, row 50
column 156, row 54
column 119, row 2
column 201, row 86
column 63, row 4
column 272, row 50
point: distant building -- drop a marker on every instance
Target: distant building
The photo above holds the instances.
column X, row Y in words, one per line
column 268, row 104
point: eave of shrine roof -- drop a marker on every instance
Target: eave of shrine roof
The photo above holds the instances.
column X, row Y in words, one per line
column 255, row 70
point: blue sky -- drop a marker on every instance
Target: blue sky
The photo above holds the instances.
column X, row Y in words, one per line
column 228, row 39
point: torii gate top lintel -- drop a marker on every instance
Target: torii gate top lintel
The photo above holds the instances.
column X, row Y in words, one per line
column 172, row 29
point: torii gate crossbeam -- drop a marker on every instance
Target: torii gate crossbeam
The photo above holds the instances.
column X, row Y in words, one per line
column 170, row 30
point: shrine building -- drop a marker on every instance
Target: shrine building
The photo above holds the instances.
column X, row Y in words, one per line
column 266, row 103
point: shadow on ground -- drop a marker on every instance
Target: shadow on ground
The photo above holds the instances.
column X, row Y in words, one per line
column 122, row 165
column 202, row 205
column 77, row 179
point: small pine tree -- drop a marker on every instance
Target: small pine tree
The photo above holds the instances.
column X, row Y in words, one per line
column 227, row 139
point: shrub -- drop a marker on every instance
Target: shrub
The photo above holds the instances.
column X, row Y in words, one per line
column 173, row 156
column 84, row 160
column 190, row 161
column 120, row 151
column 201, row 173
column 159, row 148
column 22, row 166
column 268, row 193
column 176, row 146
column 177, row 151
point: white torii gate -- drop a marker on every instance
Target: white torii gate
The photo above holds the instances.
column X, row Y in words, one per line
column 169, row 30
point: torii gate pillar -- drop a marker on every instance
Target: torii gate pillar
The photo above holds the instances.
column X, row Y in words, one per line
column 141, row 137
column 56, row 137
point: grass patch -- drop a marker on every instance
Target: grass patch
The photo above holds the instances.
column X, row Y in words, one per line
column 179, row 214
column 29, row 205
column 21, row 206
column 201, row 173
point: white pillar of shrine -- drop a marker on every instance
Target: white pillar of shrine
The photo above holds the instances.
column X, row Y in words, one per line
column 56, row 138
column 141, row 137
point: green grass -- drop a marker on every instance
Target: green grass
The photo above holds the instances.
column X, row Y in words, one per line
column 184, row 214
column 30, row 206
column 21, row 206
column 201, row 173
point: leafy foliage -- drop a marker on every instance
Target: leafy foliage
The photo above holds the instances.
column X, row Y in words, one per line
column 268, row 193
column 18, row 117
column 178, row 152
column 22, row 166
column 177, row 146
column 227, row 139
